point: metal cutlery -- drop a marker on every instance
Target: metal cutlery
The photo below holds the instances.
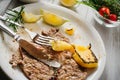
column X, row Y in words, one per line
column 35, row 53
column 37, row 38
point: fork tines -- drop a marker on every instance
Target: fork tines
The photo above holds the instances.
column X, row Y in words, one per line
column 43, row 40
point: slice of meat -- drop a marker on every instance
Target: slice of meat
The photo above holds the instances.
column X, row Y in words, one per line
column 16, row 60
column 33, row 49
column 60, row 36
column 70, row 70
column 36, row 70
column 56, row 34
column 50, row 32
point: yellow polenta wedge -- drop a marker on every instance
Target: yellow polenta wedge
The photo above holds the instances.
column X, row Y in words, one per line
column 29, row 17
column 68, row 3
column 52, row 19
column 58, row 45
column 85, row 57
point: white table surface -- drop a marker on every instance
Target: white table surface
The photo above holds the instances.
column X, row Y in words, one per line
column 110, row 36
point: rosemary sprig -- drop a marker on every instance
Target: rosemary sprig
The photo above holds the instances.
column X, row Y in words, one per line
column 15, row 16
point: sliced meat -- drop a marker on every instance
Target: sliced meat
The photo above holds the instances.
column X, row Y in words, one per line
column 16, row 60
column 70, row 70
column 56, row 34
column 50, row 32
column 36, row 70
column 34, row 50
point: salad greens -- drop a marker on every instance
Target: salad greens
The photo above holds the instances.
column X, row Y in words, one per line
column 113, row 5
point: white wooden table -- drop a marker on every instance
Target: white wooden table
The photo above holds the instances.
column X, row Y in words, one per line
column 110, row 36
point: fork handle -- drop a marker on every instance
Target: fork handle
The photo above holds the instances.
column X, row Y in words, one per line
column 4, row 28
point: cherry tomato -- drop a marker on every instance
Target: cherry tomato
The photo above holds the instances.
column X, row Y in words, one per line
column 113, row 17
column 104, row 11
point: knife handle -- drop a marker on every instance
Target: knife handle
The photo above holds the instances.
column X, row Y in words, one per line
column 4, row 28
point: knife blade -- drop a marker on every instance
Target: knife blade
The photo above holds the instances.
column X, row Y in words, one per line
column 38, row 53
column 33, row 50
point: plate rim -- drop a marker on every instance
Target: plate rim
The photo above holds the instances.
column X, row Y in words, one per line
column 83, row 21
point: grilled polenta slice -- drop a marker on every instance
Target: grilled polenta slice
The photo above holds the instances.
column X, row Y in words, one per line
column 58, row 45
column 85, row 57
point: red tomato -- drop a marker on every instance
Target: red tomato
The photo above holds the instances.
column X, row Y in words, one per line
column 113, row 17
column 104, row 11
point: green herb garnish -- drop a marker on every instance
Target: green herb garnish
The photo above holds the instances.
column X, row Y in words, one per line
column 15, row 16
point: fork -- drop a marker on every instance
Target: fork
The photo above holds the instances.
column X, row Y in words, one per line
column 51, row 63
column 37, row 38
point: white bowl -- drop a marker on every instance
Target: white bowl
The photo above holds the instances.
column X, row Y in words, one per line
column 104, row 21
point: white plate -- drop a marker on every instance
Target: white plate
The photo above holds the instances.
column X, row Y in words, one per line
column 84, row 34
